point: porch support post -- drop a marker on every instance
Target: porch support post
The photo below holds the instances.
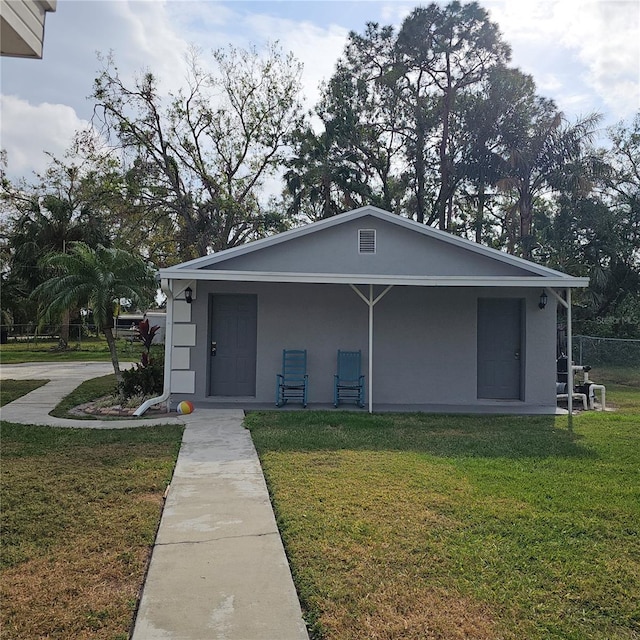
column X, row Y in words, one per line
column 566, row 303
column 371, row 302
column 569, row 360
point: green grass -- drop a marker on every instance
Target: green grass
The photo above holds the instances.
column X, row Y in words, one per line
column 623, row 385
column 79, row 514
column 397, row 526
column 86, row 392
column 619, row 376
column 421, row 526
column 11, row 390
column 90, row 349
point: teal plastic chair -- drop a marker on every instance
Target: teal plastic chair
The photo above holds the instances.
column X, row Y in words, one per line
column 293, row 382
column 348, row 382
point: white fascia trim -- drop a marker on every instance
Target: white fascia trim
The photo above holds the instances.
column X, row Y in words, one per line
column 338, row 278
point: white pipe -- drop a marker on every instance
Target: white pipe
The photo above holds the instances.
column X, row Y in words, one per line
column 603, row 394
column 166, row 286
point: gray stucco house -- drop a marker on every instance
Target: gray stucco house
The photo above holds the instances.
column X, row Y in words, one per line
column 443, row 324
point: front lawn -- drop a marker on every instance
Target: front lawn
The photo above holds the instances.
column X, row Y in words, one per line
column 89, row 350
column 80, row 510
column 85, row 392
column 11, row 390
column 422, row 526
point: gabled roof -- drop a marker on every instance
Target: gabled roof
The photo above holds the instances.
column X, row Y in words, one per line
column 224, row 264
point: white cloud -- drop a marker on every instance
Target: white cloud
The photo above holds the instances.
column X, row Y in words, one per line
column 158, row 35
column 395, row 12
column 583, row 53
column 590, row 45
column 143, row 36
column 30, row 130
column 316, row 47
column 606, row 39
column 548, row 83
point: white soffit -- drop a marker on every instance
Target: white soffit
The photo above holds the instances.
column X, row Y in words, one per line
column 22, row 25
column 559, row 280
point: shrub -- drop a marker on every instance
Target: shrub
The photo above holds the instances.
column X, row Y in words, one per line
column 143, row 379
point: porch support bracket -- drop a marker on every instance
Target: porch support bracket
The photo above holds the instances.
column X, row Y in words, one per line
column 371, row 302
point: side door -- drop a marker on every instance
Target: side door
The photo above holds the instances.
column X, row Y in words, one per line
column 500, row 341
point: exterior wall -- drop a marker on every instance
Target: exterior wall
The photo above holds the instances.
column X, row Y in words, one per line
column 184, row 343
column 425, row 349
column 399, row 251
column 427, row 339
column 22, row 27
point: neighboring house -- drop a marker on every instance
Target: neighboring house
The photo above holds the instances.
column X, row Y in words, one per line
column 22, row 27
column 444, row 324
column 126, row 324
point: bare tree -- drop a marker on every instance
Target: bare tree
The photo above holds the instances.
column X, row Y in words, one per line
column 200, row 157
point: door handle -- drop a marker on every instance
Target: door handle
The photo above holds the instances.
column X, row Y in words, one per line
column 214, row 348
column 516, row 355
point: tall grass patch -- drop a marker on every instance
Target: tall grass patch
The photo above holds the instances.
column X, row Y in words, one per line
column 80, row 510
column 419, row 526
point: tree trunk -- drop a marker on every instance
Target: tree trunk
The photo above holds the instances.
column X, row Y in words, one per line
column 326, row 187
column 63, row 343
column 449, row 212
column 108, row 334
column 445, row 173
column 480, row 210
column 419, row 165
column 526, row 225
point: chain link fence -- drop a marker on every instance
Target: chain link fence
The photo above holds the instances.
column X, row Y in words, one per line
column 32, row 334
column 587, row 350
column 593, row 351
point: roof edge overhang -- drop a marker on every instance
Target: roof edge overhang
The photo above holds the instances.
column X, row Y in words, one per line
column 413, row 281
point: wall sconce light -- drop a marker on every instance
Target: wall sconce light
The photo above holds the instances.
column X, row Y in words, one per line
column 188, row 295
column 543, row 300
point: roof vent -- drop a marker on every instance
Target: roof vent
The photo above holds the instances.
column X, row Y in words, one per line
column 366, row 240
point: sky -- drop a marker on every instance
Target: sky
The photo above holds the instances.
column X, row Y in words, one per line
column 584, row 54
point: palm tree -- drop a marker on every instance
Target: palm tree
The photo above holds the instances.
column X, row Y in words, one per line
column 538, row 162
column 96, row 278
column 322, row 181
column 47, row 225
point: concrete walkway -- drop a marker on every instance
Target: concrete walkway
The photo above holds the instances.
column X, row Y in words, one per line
column 218, row 569
column 64, row 377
